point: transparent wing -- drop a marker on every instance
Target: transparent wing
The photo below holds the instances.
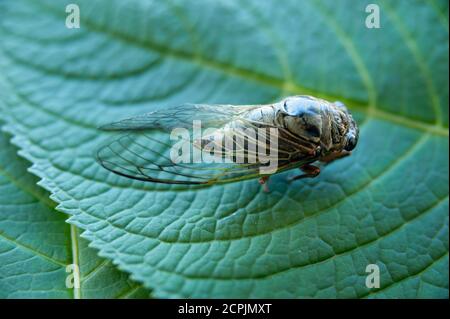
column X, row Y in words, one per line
column 140, row 152
column 180, row 116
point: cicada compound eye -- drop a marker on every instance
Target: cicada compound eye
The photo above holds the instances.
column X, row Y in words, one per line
column 351, row 143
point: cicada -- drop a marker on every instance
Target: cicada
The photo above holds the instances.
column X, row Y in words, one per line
column 302, row 130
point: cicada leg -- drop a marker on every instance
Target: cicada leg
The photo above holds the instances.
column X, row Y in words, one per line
column 309, row 170
column 264, row 181
column 334, row 156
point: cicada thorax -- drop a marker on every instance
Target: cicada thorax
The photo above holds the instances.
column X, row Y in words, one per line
column 292, row 144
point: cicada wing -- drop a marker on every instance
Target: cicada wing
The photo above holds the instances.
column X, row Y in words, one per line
column 140, row 152
column 147, row 157
column 181, row 116
column 140, row 156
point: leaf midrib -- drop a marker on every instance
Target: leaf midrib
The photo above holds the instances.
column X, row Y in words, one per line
column 76, row 261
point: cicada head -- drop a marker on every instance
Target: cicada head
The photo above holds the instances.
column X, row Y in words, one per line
column 351, row 133
column 329, row 125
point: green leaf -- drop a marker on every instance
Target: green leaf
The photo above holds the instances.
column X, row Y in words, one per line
column 387, row 204
column 37, row 246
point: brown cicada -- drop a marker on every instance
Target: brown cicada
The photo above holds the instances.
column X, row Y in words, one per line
column 239, row 142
